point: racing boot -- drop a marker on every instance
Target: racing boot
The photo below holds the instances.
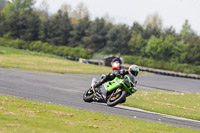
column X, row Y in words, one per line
column 99, row 98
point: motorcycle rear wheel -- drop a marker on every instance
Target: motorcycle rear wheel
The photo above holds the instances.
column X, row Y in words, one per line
column 114, row 100
column 88, row 96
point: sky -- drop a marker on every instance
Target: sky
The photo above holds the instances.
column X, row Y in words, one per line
column 172, row 12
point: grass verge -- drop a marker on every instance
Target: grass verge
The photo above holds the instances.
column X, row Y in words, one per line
column 19, row 115
column 173, row 103
column 185, row 105
column 10, row 57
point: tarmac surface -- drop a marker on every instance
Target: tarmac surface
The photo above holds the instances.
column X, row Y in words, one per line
column 67, row 90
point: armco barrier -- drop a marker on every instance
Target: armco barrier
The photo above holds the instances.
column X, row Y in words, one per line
column 171, row 74
column 161, row 72
column 167, row 73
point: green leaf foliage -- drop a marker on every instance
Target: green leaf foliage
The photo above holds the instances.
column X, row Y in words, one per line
column 59, row 29
column 45, row 48
column 137, row 44
column 152, row 63
column 117, row 40
column 22, row 6
column 73, row 33
column 167, row 49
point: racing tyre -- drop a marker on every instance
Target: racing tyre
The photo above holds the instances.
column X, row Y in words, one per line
column 88, row 96
column 116, row 98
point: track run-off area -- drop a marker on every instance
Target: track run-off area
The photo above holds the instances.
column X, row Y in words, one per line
column 67, row 89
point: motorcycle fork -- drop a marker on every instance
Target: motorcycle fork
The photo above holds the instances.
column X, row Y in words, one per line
column 96, row 94
column 116, row 92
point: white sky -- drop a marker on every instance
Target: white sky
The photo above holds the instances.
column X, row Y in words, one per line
column 172, row 12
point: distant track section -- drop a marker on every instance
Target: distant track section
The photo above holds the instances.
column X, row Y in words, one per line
column 174, row 74
column 67, row 89
column 145, row 69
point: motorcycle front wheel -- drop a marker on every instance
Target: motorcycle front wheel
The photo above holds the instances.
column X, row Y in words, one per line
column 88, row 96
column 116, row 98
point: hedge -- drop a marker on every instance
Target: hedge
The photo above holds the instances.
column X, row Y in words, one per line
column 45, row 48
column 147, row 62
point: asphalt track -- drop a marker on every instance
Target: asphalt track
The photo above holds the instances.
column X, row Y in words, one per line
column 67, row 90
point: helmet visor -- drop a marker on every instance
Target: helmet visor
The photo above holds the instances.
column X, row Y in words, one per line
column 135, row 73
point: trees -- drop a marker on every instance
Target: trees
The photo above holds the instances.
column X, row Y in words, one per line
column 59, row 29
column 81, row 22
column 79, row 32
column 124, row 37
column 169, row 31
column 153, row 49
column 25, row 26
column 42, row 11
column 192, row 55
column 20, row 6
column 186, row 33
column 137, row 28
column 167, row 49
column 79, row 13
column 152, row 26
column 2, row 24
column 2, row 4
column 117, row 40
column 20, row 21
column 29, row 26
column 65, row 8
column 137, row 44
column 95, row 38
column 74, row 28
column 13, row 25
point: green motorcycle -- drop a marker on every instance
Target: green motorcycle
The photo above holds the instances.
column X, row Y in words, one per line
column 111, row 92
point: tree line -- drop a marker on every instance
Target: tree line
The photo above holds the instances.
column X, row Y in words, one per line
column 19, row 19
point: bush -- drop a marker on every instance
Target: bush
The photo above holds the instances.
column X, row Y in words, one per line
column 12, row 43
column 45, row 48
column 148, row 62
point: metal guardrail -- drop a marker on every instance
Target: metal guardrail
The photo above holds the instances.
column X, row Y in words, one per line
column 161, row 72
column 171, row 74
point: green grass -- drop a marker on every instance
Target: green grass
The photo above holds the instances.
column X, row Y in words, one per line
column 20, row 116
column 10, row 57
column 173, row 103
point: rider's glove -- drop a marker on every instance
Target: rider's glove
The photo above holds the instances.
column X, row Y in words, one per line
column 98, row 84
column 103, row 76
column 123, row 72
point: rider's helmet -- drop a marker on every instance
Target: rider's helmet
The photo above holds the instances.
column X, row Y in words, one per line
column 116, row 65
column 133, row 69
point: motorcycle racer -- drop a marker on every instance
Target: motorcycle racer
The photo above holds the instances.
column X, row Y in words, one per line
column 116, row 67
column 132, row 72
column 116, row 64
